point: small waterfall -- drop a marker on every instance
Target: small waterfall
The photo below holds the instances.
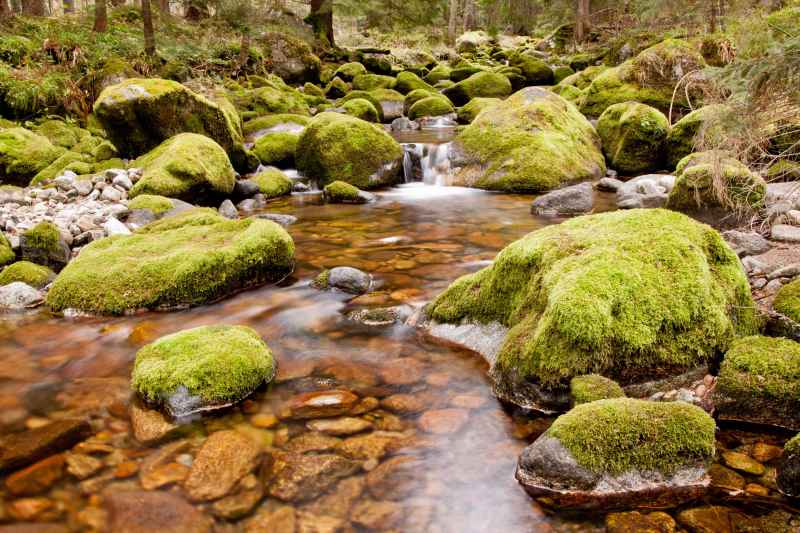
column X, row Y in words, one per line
column 426, row 162
column 408, row 166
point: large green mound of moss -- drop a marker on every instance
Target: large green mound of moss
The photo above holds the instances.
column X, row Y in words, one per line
column 632, row 295
column 361, row 108
column 479, row 85
column 23, row 154
column 432, row 106
column 469, row 112
column 702, row 126
column 340, row 147
column 633, row 136
column 408, row 81
column 156, row 204
column 188, row 259
column 349, row 71
column 276, row 148
column 621, row 435
column 288, row 121
column 219, row 365
column 139, row 114
column 188, row 166
column 36, row 276
column 787, row 301
column 273, row 183
column 534, row 70
column 715, row 179
column 535, row 141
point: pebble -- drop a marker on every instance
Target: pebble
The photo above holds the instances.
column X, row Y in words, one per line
column 339, row 426
column 225, row 458
column 764, row 453
column 743, row 463
column 321, row 404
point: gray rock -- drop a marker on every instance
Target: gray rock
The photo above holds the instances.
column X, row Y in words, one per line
column 786, row 233
column 573, row 200
column 773, row 286
column 649, row 190
column 747, row 243
column 18, row 295
column 383, row 316
column 112, row 226
column 111, row 194
column 609, row 184
column 84, row 187
column 228, row 210
column 759, row 283
column 753, row 266
column 788, row 192
column 348, row 279
column 64, row 182
column 283, row 220
column 654, row 200
column 404, row 124
column 122, row 180
column 788, row 271
column 55, row 258
column 300, row 187
column 245, row 189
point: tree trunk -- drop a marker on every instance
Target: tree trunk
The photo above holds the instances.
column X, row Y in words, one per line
column 100, row 16
column 5, row 9
column 34, row 8
column 149, row 35
column 452, row 21
column 244, row 52
column 712, row 16
column 321, row 20
column 163, row 6
column 582, row 25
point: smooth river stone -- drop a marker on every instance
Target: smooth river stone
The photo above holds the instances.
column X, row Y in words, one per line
column 339, row 426
column 225, row 458
column 320, row 404
column 21, row 449
column 153, row 512
column 299, row 477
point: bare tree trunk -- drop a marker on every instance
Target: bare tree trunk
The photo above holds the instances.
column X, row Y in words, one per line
column 712, row 16
column 34, row 8
column 452, row 21
column 100, row 16
column 321, row 20
column 582, row 25
column 163, row 6
column 149, row 34
column 244, row 51
column 5, row 9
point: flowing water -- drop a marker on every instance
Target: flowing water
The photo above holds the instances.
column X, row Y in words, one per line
column 414, row 240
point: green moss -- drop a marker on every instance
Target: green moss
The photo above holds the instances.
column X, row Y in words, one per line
column 349, row 71
column 263, row 124
column 219, row 364
column 338, row 192
column 415, row 96
column 7, row 254
column 337, row 88
column 361, row 108
column 186, row 166
column 593, row 387
column 368, row 82
column 783, row 170
column 408, row 81
column 534, row 142
column 464, row 71
column 438, row 73
column 705, row 126
column 583, row 79
column 57, row 167
column 433, row 106
column 562, row 72
column 386, row 95
column 60, row 133
column 469, row 112
column 792, row 446
column 26, row 272
column 714, row 179
column 633, row 136
column 290, row 57
column 43, row 236
column 340, row 147
column 363, row 95
column 23, row 154
column 480, row 85
column 628, row 295
column 314, row 91
column 273, row 183
column 276, row 148
column 321, row 281
column 156, row 204
column 191, row 258
column 534, row 70
column 622, row 435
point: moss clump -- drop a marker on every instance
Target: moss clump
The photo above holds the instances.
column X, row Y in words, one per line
column 363, row 95
column 57, row 167
column 340, row 147
column 469, row 112
column 23, row 154
column 276, row 148
column 7, row 254
column 273, row 183
column 43, row 236
column 714, row 179
column 479, row 85
column 704, row 126
column 139, row 114
column 534, row 70
column 279, row 122
column 337, row 88
column 437, row 74
column 156, row 204
column 783, row 170
column 316, row 93
column 562, row 72
column 408, row 81
column 188, row 259
column 368, row 82
column 629, row 295
column 361, row 108
column 36, row 276
column 633, row 136
column 534, row 142
column 433, row 106
column 792, row 446
column 583, row 79
column 625, row 435
column 276, row 97
column 218, row 364
column 350, row 71
column 188, row 166
column 340, row 192
column 787, row 301
column 289, row 57
column 415, row 96
column 593, row 387
column 60, row 133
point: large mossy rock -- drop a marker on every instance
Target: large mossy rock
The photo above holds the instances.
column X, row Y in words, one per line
column 189, row 167
column 23, row 154
column 534, row 70
column 200, row 369
column 472, row 40
column 787, row 301
column 340, row 147
column 633, row 136
column 479, row 85
column 704, row 126
column 759, row 382
column 432, row 106
column 621, row 452
column 715, row 180
column 789, row 470
column 289, row 57
column 7, row 254
column 188, row 259
column 649, row 78
column 37, row 276
column 139, row 114
column 534, row 142
column 633, row 295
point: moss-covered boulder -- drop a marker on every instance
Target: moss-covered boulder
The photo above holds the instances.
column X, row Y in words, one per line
column 350, row 71
column 704, row 126
column 633, row 136
column 561, row 72
column 139, row 114
column 203, row 368
column 469, row 112
column 432, row 106
column 649, row 78
column 156, row 204
column 276, row 148
column 621, row 452
column 337, row 88
column 391, row 103
column 340, row 192
column 480, row 85
column 759, row 382
column 281, row 122
column 7, row 254
column 43, row 244
column 188, row 166
column 274, row 96
column 368, row 82
column 37, row 276
column 715, row 180
column 788, row 478
column 471, row 41
column 787, row 301
column 534, row 142
column 363, row 95
column 633, row 295
column 438, row 73
column 408, row 81
column 272, row 183
column 534, row 70
column 188, row 259
column 361, row 108
column 340, row 147
column 23, row 154
column 415, row 96
column 289, row 57
column 593, row 387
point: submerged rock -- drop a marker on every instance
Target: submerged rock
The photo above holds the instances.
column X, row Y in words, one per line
column 21, row 449
column 225, row 458
column 202, row 369
column 303, row 477
column 574, row 304
column 347, row 279
column 152, row 512
column 188, row 259
column 572, row 200
column 620, row 453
